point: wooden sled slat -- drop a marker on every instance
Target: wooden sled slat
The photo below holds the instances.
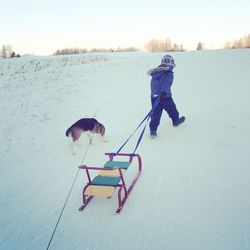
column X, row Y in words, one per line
column 103, row 191
column 117, row 164
column 114, row 172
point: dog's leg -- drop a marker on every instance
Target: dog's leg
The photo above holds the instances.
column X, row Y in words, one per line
column 90, row 137
column 102, row 138
column 75, row 134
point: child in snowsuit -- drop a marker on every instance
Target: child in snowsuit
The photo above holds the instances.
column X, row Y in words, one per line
column 161, row 81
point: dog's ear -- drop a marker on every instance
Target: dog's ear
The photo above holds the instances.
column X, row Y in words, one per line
column 102, row 129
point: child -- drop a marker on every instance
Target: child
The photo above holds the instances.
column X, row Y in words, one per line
column 161, row 81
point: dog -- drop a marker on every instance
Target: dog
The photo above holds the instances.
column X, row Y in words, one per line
column 85, row 125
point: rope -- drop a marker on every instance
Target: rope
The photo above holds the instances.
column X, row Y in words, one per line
column 146, row 118
column 141, row 135
column 60, row 216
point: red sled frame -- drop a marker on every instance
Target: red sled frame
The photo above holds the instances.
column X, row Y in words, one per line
column 121, row 184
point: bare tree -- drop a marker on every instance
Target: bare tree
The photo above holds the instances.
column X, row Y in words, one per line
column 3, row 52
column 156, row 45
column 248, row 41
column 243, row 42
column 200, row 46
column 6, row 51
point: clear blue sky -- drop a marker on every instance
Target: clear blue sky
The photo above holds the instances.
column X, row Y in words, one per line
column 40, row 27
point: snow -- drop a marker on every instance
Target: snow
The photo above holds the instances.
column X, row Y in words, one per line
column 193, row 192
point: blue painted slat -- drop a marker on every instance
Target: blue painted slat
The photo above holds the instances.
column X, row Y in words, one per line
column 106, row 180
column 117, row 164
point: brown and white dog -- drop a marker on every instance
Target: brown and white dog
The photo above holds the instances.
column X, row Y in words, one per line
column 84, row 125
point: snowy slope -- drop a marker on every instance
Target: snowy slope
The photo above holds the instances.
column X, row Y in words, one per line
column 194, row 189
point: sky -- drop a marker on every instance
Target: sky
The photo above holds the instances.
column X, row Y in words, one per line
column 43, row 26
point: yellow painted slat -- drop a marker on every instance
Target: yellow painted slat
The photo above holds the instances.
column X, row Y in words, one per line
column 104, row 191
column 114, row 172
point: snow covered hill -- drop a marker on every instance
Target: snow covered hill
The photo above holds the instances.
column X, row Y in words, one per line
column 194, row 189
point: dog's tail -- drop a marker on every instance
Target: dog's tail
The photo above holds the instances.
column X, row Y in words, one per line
column 68, row 131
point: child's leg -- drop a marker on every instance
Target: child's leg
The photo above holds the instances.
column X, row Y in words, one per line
column 156, row 116
column 169, row 106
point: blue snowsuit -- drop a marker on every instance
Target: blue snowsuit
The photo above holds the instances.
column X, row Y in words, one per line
column 161, row 81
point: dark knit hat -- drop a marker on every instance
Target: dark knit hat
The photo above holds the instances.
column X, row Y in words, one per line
column 168, row 60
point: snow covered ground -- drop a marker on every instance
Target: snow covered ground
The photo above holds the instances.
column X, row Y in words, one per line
column 194, row 189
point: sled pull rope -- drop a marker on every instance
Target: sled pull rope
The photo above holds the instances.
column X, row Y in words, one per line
column 60, row 216
column 146, row 118
column 141, row 135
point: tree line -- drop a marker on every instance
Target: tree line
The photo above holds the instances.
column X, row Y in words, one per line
column 154, row 45
column 70, row 51
column 7, row 52
column 243, row 42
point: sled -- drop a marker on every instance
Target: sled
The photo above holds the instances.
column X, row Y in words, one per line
column 109, row 178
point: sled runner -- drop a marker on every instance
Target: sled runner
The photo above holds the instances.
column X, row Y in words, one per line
column 110, row 177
